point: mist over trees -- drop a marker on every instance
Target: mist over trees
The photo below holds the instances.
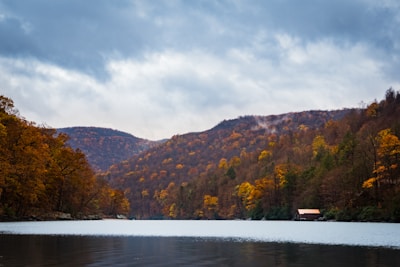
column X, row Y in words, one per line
column 346, row 163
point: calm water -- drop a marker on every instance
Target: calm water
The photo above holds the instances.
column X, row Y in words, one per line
column 198, row 243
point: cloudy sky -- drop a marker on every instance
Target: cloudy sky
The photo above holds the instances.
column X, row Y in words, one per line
column 159, row 68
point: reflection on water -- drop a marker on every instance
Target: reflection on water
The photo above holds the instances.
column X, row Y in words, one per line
column 46, row 250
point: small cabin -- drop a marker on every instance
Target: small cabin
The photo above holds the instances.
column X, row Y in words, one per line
column 308, row 214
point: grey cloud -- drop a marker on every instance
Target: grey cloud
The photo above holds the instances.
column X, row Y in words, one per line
column 165, row 65
column 354, row 20
column 84, row 34
column 77, row 34
column 14, row 40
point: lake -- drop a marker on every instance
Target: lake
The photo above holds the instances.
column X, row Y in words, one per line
column 198, row 243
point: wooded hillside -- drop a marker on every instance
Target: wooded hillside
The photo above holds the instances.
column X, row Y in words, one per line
column 41, row 176
column 105, row 147
column 344, row 162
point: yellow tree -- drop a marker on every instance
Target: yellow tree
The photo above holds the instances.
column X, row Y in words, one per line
column 264, row 155
column 173, row 211
column 261, row 192
column 166, row 198
column 223, row 164
column 386, row 170
column 319, row 146
column 112, row 202
column 245, row 192
column 210, row 204
column 256, row 198
column 279, row 182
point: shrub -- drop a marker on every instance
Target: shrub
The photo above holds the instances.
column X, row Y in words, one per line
column 371, row 213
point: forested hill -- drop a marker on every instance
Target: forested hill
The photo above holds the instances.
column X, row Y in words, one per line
column 41, row 177
column 346, row 163
column 104, row 147
column 186, row 157
column 283, row 123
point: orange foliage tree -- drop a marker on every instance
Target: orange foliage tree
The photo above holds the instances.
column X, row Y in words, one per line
column 40, row 174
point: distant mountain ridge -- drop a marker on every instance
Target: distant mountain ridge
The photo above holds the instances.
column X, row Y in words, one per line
column 104, row 147
column 343, row 162
column 186, row 157
column 285, row 122
column 214, row 143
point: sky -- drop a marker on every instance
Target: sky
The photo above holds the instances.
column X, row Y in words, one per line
column 160, row 68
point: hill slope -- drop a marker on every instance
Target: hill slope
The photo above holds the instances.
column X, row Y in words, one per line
column 344, row 162
column 186, row 157
column 42, row 177
column 105, row 147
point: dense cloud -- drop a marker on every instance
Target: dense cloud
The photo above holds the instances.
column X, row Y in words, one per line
column 157, row 68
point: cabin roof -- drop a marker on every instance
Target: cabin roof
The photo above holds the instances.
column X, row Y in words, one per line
column 308, row 211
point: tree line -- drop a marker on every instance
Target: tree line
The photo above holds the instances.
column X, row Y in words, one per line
column 349, row 168
column 40, row 175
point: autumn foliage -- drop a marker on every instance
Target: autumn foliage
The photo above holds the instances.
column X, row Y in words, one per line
column 105, row 147
column 41, row 175
column 345, row 162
